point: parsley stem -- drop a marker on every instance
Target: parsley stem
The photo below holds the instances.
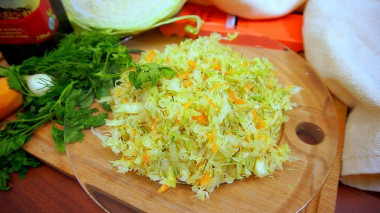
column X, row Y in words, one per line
column 29, row 120
column 62, row 96
column 106, row 62
column 35, row 126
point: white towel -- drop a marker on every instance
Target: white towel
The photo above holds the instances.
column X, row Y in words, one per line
column 255, row 9
column 341, row 41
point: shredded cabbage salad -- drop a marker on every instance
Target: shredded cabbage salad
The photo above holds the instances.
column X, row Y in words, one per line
column 215, row 122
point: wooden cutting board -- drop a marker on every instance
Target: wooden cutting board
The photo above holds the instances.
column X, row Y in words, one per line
column 42, row 146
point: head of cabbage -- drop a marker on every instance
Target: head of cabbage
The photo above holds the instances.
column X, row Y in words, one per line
column 124, row 17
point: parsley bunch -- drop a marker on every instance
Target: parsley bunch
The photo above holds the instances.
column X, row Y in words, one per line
column 83, row 67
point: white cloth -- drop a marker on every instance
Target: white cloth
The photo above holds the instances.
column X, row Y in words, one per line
column 258, row 9
column 341, row 40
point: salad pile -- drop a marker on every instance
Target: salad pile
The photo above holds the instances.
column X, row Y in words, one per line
column 215, row 120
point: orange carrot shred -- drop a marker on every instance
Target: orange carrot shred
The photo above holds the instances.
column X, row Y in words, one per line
column 185, row 106
column 201, row 118
column 163, row 188
column 214, row 147
column 248, row 86
column 206, row 179
column 210, row 101
column 200, row 163
column 229, row 131
column 168, row 59
column 192, row 64
column 149, row 57
column 239, row 101
column 216, row 67
column 232, row 95
column 187, row 74
column 145, row 158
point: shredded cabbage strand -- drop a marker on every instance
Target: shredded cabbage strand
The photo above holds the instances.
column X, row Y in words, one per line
column 215, row 122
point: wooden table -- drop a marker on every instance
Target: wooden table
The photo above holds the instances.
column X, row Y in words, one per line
column 47, row 189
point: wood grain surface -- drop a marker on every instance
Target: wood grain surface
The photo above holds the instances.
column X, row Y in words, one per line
column 45, row 190
column 42, row 144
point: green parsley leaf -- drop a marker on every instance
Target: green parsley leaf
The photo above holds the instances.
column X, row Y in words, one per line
column 149, row 72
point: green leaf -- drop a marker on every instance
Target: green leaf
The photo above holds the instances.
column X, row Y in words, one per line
column 14, row 78
column 168, row 72
column 3, row 71
column 150, row 72
column 103, row 91
column 4, row 177
column 86, row 100
column 10, row 144
column 58, row 136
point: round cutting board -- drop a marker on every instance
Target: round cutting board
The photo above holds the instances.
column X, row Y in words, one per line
column 311, row 133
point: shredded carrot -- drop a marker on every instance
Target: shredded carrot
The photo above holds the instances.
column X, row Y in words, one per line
column 163, row 188
column 232, row 95
column 261, row 126
column 168, row 59
column 216, row 67
column 187, row 75
column 200, row 163
column 214, row 147
column 214, row 87
column 239, row 101
column 152, row 122
column 248, row 86
column 229, row 72
column 259, row 136
column 149, row 57
column 201, row 118
column 178, row 75
column 245, row 64
column 145, row 158
column 129, row 83
column 132, row 139
column 214, row 60
column 229, row 131
column 188, row 83
column 176, row 120
column 192, row 64
column 269, row 86
column 210, row 137
column 185, row 106
column 210, row 102
column 167, row 95
column 198, row 182
column 206, row 179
